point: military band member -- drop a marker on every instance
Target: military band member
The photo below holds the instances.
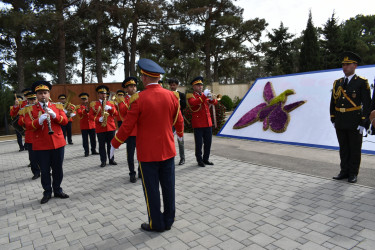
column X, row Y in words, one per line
column 31, row 100
column 173, row 85
column 19, row 103
column 45, row 119
column 201, row 120
column 120, row 96
column 86, row 125
column 153, row 112
column 103, row 113
column 349, row 109
column 67, row 129
column 130, row 85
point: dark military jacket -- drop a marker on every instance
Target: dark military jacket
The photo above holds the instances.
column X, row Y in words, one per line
column 350, row 107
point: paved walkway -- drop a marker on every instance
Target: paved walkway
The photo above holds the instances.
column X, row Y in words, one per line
column 231, row 205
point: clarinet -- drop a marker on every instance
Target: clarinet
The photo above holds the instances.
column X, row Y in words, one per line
column 50, row 131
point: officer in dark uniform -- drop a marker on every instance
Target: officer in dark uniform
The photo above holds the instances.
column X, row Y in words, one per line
column 173, row 85
column 120, row 94
column 349, row 109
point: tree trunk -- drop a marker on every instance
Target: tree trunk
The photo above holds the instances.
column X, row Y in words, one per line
column 207, row 48
column 216, row 68
column 83, row 52
column 20, row 63
column 98, row 43
column 133, row 46
column 61, row 77
column 125, row 49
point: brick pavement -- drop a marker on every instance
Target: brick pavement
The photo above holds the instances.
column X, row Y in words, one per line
column 231, row 205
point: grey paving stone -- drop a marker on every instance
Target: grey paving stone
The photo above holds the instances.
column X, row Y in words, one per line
column 231, row 205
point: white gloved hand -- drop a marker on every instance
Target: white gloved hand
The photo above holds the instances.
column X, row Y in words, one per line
column 65, row 111
column 180, row 138
column 111, row 152
column 42, row 118
column 72, row 114
column 360, row 128
column 107, row 107
column 174, row 133
column 207, row 92
column 101, row 119
column 51, row 113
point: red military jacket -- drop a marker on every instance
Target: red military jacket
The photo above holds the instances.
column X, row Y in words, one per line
column 21, row 122
column 96, row 112
column 84, row 120
column 153, row 112
column 123, row 110
column 41, row 139
column 14, row 110
column 199, row 104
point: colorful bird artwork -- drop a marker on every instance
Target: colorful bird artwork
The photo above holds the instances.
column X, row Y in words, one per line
column 273, row 112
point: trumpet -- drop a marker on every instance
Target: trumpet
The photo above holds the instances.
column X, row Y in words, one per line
column 216, row 96
column 105, row 114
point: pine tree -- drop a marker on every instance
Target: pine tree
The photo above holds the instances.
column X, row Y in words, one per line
column 332, row 44
column 310, row 54
column 278, row 53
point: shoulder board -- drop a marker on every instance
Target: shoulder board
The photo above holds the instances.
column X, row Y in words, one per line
column 92, row 104
column 59, row 106
column 112, row 102
column 189, row 95
column 134, row 98
column 362, row 78
column 26, row 109
column 176, row 94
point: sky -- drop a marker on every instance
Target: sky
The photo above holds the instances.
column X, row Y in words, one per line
column 293, row 14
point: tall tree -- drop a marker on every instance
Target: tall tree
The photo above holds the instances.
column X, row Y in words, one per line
column 218, row 19
column 15, row 24
column 310, row 51
column 332, row 44
column 278, row 52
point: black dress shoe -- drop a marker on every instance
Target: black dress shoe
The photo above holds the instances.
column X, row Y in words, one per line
column 102, row 165
column 352, row 179
column 112, row 162
column 201, row 164
column 61, row 195
column 71, row 143
column 29, row 166
column 146, row 227
column 21, row 149
column 94, row 153
column 45, row 199
column 208, row 162
column 35, row 177
column 86, row 154
column 340, row 176
column 133, row 179
column 182, row 162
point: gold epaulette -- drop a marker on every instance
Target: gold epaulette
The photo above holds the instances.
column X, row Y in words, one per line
column 92, row 104
column 177, row 94
column 59, row 106
column 189, row 95
column 133, row 98
column 363, row 78
column 112, row 102
column 26, row 110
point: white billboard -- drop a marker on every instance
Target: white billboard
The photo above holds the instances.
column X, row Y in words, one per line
column 297, row 113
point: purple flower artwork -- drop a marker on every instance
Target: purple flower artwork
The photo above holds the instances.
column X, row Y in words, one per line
column 273, row 112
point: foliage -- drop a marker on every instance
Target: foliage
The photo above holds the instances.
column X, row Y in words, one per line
column 227, row 102
column 332, row 44
column 278, row 52
column 220, row 119
column 236, row 102
column 310, row 51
